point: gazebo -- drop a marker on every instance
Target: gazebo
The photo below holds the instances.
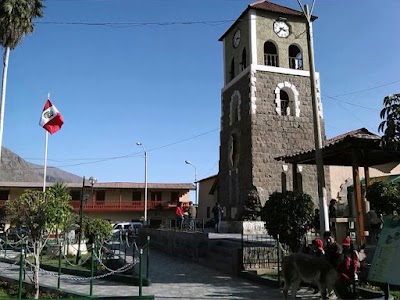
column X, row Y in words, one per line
column 357, row 148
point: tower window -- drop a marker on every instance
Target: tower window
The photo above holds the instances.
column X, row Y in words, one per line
column 243, row 63
column 287, row 100
column 232, row 71
column 270, row 55
column 234, row 151
column 235, row 108
column 295, row 58
column 285, row 108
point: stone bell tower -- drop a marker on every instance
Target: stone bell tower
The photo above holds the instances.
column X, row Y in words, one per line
column 266, row 106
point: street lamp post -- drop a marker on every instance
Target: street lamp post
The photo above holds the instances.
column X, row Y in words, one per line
column 195, row 178
column 92, row 181
column 145, row 180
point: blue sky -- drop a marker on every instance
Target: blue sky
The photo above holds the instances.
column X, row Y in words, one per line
column 160, row 83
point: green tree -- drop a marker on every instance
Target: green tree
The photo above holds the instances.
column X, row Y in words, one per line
column 96, row 230
column 16, row 20
column 288, row 214
column 61, row 213
column 252, row 207
column 390, row 126
column 384, row 197
column 36, row 211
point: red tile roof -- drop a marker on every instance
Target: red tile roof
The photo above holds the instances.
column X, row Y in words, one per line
column 276, row 8
column 106, row 185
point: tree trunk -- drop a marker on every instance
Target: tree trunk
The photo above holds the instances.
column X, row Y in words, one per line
column 6, row 56
column 36, row 254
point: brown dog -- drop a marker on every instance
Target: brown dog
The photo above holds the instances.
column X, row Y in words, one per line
column 300, row 267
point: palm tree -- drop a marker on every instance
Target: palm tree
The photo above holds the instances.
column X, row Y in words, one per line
column 16, row 20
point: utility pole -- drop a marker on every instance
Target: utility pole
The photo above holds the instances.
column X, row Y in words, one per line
column 324, row 220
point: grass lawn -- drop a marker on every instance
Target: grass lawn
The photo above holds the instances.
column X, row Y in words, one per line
column 51, row 261
column 4, row 295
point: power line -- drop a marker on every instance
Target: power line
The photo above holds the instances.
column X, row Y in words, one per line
column 349, row 103
column 127, row 155
column 368, row 89
column 137, row 24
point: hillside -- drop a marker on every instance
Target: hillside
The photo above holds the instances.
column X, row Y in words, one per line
column 15, row 168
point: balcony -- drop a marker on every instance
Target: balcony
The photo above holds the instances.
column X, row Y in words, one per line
column 115, row 206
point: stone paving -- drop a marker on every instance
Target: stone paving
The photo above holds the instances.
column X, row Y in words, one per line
column 171, row 278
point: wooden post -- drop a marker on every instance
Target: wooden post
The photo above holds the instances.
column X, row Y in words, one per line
column 358, row 200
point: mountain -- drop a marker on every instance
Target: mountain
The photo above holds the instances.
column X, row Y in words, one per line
column 15, row 168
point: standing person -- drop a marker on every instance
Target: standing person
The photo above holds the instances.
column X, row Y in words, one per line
column 179, row 215
column 348, row 270
column 217, row 211
column 332, row 249
column 192, row 215
column 332, row 211
column 318, row 248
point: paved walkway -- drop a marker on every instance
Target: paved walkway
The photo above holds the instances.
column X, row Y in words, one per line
column 171, row 278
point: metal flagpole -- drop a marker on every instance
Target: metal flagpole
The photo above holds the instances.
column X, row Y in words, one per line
column 45, row 154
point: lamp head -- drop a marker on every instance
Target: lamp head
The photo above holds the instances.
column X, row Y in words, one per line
column 138, row 143
column 92, row 180
column 188, row 162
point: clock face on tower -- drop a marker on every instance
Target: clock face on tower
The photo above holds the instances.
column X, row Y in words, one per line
column 281, row 28
column 236, row 38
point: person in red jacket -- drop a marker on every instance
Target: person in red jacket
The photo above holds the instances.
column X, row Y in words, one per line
column 179, row 215
column 347, row 269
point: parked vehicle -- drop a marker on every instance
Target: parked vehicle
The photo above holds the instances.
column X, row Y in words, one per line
column 130, row 228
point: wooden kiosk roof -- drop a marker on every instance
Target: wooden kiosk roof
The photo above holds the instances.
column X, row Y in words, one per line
column 338, row 151
column 357, row 148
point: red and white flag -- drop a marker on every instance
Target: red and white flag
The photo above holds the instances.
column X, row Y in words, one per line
column 51, row 119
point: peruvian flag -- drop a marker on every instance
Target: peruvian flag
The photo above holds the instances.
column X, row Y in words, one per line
column 51, row 119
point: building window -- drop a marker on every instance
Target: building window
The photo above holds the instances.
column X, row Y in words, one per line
column 295, row 58
column 174, row 197
column 235, row 108
column 100, row 195
column 156, row 196
column 75, row 195
column 208, row 212
column 270, row 55
column 4, row 195
column 136, row 195
column 232, row 70
column 287, row 100
column 243, row 63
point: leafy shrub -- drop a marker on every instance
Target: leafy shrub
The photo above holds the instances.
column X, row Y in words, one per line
column 384, row 197
column 288, row 214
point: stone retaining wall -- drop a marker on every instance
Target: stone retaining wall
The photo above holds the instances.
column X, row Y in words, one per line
column 191, row 245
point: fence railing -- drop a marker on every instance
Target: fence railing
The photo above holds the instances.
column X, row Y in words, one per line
column 196, row 225
column 264, row 253
column 60, row 264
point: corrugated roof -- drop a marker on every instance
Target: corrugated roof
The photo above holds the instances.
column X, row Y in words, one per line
column 107, row 185
column 265, row 5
